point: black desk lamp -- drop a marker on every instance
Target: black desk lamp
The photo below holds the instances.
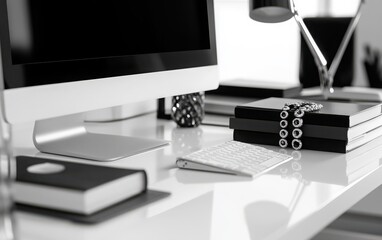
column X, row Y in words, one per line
column 274, row 11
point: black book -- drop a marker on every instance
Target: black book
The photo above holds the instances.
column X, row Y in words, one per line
column 319, row 144
column 309, row 130
column 256, row 89
column 224, row 105
column 337, row 114
column 74, row 187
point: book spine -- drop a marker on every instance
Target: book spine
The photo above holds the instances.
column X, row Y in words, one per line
column 309, row 118
column 318, row 144
column 314, row 131
column 292, row 92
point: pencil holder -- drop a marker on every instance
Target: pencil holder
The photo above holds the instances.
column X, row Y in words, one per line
column 188, row 110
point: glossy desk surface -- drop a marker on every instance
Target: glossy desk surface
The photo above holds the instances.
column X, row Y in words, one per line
column 293, row 201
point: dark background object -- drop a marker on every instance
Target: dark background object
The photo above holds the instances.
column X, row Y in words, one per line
column 372, row 67
column 328, row 33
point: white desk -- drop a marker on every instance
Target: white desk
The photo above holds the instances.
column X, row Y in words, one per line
column 294, row 201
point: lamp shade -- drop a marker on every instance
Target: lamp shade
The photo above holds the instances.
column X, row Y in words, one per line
column 270, row 11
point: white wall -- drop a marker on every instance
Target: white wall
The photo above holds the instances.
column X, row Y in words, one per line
column 252, row 50
column 258, row 51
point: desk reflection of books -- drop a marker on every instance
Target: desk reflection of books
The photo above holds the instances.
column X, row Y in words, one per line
column 334, row 168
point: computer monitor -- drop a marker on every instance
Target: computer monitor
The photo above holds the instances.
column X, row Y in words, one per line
column 63, row 57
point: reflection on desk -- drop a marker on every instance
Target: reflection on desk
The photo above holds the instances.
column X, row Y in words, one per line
column 344, row 168
column 295, row 200
column 141, row 228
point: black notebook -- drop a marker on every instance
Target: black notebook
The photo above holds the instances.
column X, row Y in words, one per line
column 318, row 144
column 256, row 89
column 332, row 114
column 74, row 187
column 309, row 130
column 310, row 143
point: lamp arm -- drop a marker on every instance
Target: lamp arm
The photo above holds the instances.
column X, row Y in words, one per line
column 317, row 54
column 345, row 41
column 326, row 80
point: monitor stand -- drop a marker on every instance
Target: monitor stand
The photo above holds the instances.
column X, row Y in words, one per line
column 68, row 136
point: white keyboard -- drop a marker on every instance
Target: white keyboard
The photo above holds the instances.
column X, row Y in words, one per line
column 234, row 158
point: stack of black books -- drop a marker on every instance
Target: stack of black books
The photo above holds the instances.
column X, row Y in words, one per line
column 337, row 127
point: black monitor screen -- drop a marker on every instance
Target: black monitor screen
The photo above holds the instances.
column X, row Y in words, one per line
column 46, row 42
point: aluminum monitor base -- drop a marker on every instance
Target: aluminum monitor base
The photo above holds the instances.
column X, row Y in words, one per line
column 68, row 136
